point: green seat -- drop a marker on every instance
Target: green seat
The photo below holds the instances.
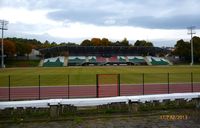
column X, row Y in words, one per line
column 160, row 62
column 93, row 60
column 121, row 59
column 76, row 60
column 136, row 60
column 57, row 63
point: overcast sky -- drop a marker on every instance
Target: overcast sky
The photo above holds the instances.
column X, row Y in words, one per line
column 161, row 21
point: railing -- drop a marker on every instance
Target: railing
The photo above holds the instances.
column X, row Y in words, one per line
column 29, row 87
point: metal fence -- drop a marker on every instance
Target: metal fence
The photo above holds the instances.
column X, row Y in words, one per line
column 29, row 87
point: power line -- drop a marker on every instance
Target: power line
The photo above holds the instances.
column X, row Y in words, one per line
column 191, row 32
column 3, row 26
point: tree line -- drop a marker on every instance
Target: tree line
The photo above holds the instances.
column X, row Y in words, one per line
column 183, row 49
column 106, row 42
column 21, row 47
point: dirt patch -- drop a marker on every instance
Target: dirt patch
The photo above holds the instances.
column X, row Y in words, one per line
column 162, row 119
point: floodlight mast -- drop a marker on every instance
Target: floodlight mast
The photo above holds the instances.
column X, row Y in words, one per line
column 3, row 27
column 191, row 32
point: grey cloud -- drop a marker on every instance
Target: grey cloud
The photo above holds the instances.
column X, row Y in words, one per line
column 42, row 37
column 140, row 13
column 118, row 12
column 175, row 22
column 86, row 16
column 100, row 18
column 27, row 28
column 52, row 4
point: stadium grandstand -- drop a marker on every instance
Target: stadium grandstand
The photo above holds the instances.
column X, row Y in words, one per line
column 102, row 55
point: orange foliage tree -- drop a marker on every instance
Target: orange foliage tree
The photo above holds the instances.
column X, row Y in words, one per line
column 9, row 48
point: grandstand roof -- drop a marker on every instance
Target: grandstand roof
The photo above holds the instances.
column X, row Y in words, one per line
column 102, row 50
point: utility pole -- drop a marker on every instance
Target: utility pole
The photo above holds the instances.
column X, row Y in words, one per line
column 191, row 32
column 3, row 26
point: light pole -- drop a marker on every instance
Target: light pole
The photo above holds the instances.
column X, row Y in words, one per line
column 191, row 32
column 3, row 26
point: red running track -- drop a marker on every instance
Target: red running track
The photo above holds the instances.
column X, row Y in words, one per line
column 31, row 93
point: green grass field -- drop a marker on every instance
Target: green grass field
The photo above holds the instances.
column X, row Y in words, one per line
column 87, row 75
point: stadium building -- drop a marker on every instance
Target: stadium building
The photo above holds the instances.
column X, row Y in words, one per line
column 102, row 55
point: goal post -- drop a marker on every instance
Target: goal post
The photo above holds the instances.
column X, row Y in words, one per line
column 107, row 85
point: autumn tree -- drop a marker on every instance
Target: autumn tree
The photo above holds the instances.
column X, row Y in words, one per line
column 34, row 43
column 53, row 44
column 9, row 48
column 125, row 42
column 182, row 49
column 105, row 42
column 96, row 41
column 143, row 43
column 23, row 48
column 46, row 44
column 86, row 43
column 196, row 45
column 68, row 44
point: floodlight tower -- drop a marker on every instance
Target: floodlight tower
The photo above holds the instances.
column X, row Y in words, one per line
column 3, row 26
column 191, row 32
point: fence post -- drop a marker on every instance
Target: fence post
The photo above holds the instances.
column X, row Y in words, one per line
column 97, row 86
column 168, row 83
column 143, row 83
column 68, row 82
column 119, row 89
column 192, row 82
column 9, row 88
column 39, row 86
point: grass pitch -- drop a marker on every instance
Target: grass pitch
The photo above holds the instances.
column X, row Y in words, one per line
column 87, row 75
